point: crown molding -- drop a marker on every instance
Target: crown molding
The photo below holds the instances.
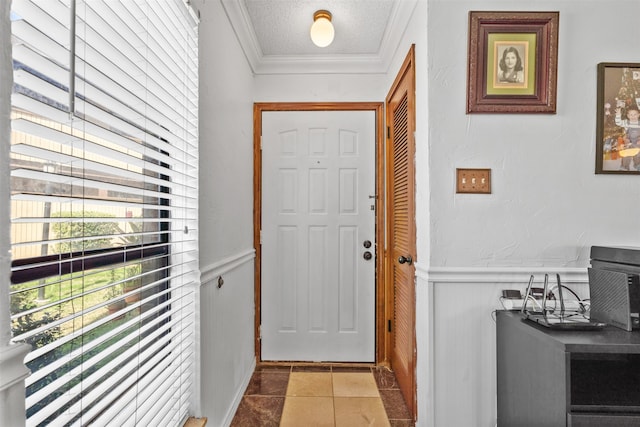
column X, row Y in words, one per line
column 319, row 64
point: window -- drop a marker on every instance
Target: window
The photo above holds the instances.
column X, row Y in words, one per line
column 104, row 208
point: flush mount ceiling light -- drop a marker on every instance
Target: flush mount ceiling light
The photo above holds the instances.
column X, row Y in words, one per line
column 322, row 30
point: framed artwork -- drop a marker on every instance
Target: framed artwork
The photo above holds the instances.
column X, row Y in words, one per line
column 512, row 62
column 618, row 120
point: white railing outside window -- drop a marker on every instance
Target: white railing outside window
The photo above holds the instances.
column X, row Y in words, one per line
column 104, row 183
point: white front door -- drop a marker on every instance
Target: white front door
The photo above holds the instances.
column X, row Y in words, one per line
column 318, row 184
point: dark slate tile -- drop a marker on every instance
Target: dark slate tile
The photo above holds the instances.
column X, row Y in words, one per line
column 354, row 368
column 401, row 423
column 311, row 368
column 268, row 383
column 395, row 405
column 264, row 398
column 258, row 411
column 273, row 368
column 385, row 378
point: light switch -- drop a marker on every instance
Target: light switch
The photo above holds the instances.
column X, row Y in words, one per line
column 473, row 181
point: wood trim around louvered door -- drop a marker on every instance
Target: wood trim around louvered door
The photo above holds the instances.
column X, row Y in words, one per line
column 401, row 235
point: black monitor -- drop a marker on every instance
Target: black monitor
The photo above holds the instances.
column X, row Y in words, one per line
column 614, row 285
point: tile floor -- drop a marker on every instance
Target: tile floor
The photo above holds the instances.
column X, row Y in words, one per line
column 322, row 395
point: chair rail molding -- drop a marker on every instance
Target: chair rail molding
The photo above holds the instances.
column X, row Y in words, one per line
column 497, row 274
column 12, row 368
column 223, row 266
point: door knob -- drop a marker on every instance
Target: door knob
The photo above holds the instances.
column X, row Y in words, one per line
column 367, row 244
column 402, row 259
column 367, row 255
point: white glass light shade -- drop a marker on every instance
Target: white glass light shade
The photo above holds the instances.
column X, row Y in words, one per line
column 322, row 32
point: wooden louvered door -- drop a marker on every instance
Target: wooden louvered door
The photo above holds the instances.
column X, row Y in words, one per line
column 400, row 110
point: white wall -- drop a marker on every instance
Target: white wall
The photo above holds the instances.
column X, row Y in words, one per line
column 226, row 217
column 320, row 88
column 546, row 209
column 226, row 139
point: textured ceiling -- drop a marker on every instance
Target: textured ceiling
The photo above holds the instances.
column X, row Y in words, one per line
column 274, row 34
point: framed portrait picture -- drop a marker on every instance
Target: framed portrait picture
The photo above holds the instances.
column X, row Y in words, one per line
column 618, row 118
column 512, row 62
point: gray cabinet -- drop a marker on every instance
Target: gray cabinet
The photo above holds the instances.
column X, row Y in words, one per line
column 566, row 378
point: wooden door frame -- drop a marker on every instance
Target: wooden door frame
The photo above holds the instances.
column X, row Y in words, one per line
column 380, row 300
column 407, row 69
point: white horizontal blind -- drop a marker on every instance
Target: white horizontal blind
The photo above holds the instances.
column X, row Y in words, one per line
column 104, row 208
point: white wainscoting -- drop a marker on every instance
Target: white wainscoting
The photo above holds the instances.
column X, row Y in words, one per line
column 455, row 333
column 227, row 355
column 13, row 372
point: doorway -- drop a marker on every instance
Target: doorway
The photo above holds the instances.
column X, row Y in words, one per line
column 300, row 301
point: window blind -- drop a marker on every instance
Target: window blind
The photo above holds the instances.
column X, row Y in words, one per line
column 104, row 157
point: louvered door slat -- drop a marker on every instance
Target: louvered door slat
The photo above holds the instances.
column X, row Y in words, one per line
column 402, row 239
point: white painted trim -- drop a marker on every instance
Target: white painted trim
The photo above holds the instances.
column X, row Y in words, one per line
column 239, row 393
column 238, row 16
column 196, row 395
column 12, row 389
column 6, row 85
column 210, row 272
column 497, row 274
column 12, row 367
column 425, row 356
column 319, row 64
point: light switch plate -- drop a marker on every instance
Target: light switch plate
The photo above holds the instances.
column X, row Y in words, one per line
column 473, row 181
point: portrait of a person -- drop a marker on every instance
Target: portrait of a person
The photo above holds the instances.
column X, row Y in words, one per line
column 511, row 66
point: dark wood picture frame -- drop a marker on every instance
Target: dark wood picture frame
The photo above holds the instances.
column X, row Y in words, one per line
column 618, row 118
column 532, row 38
